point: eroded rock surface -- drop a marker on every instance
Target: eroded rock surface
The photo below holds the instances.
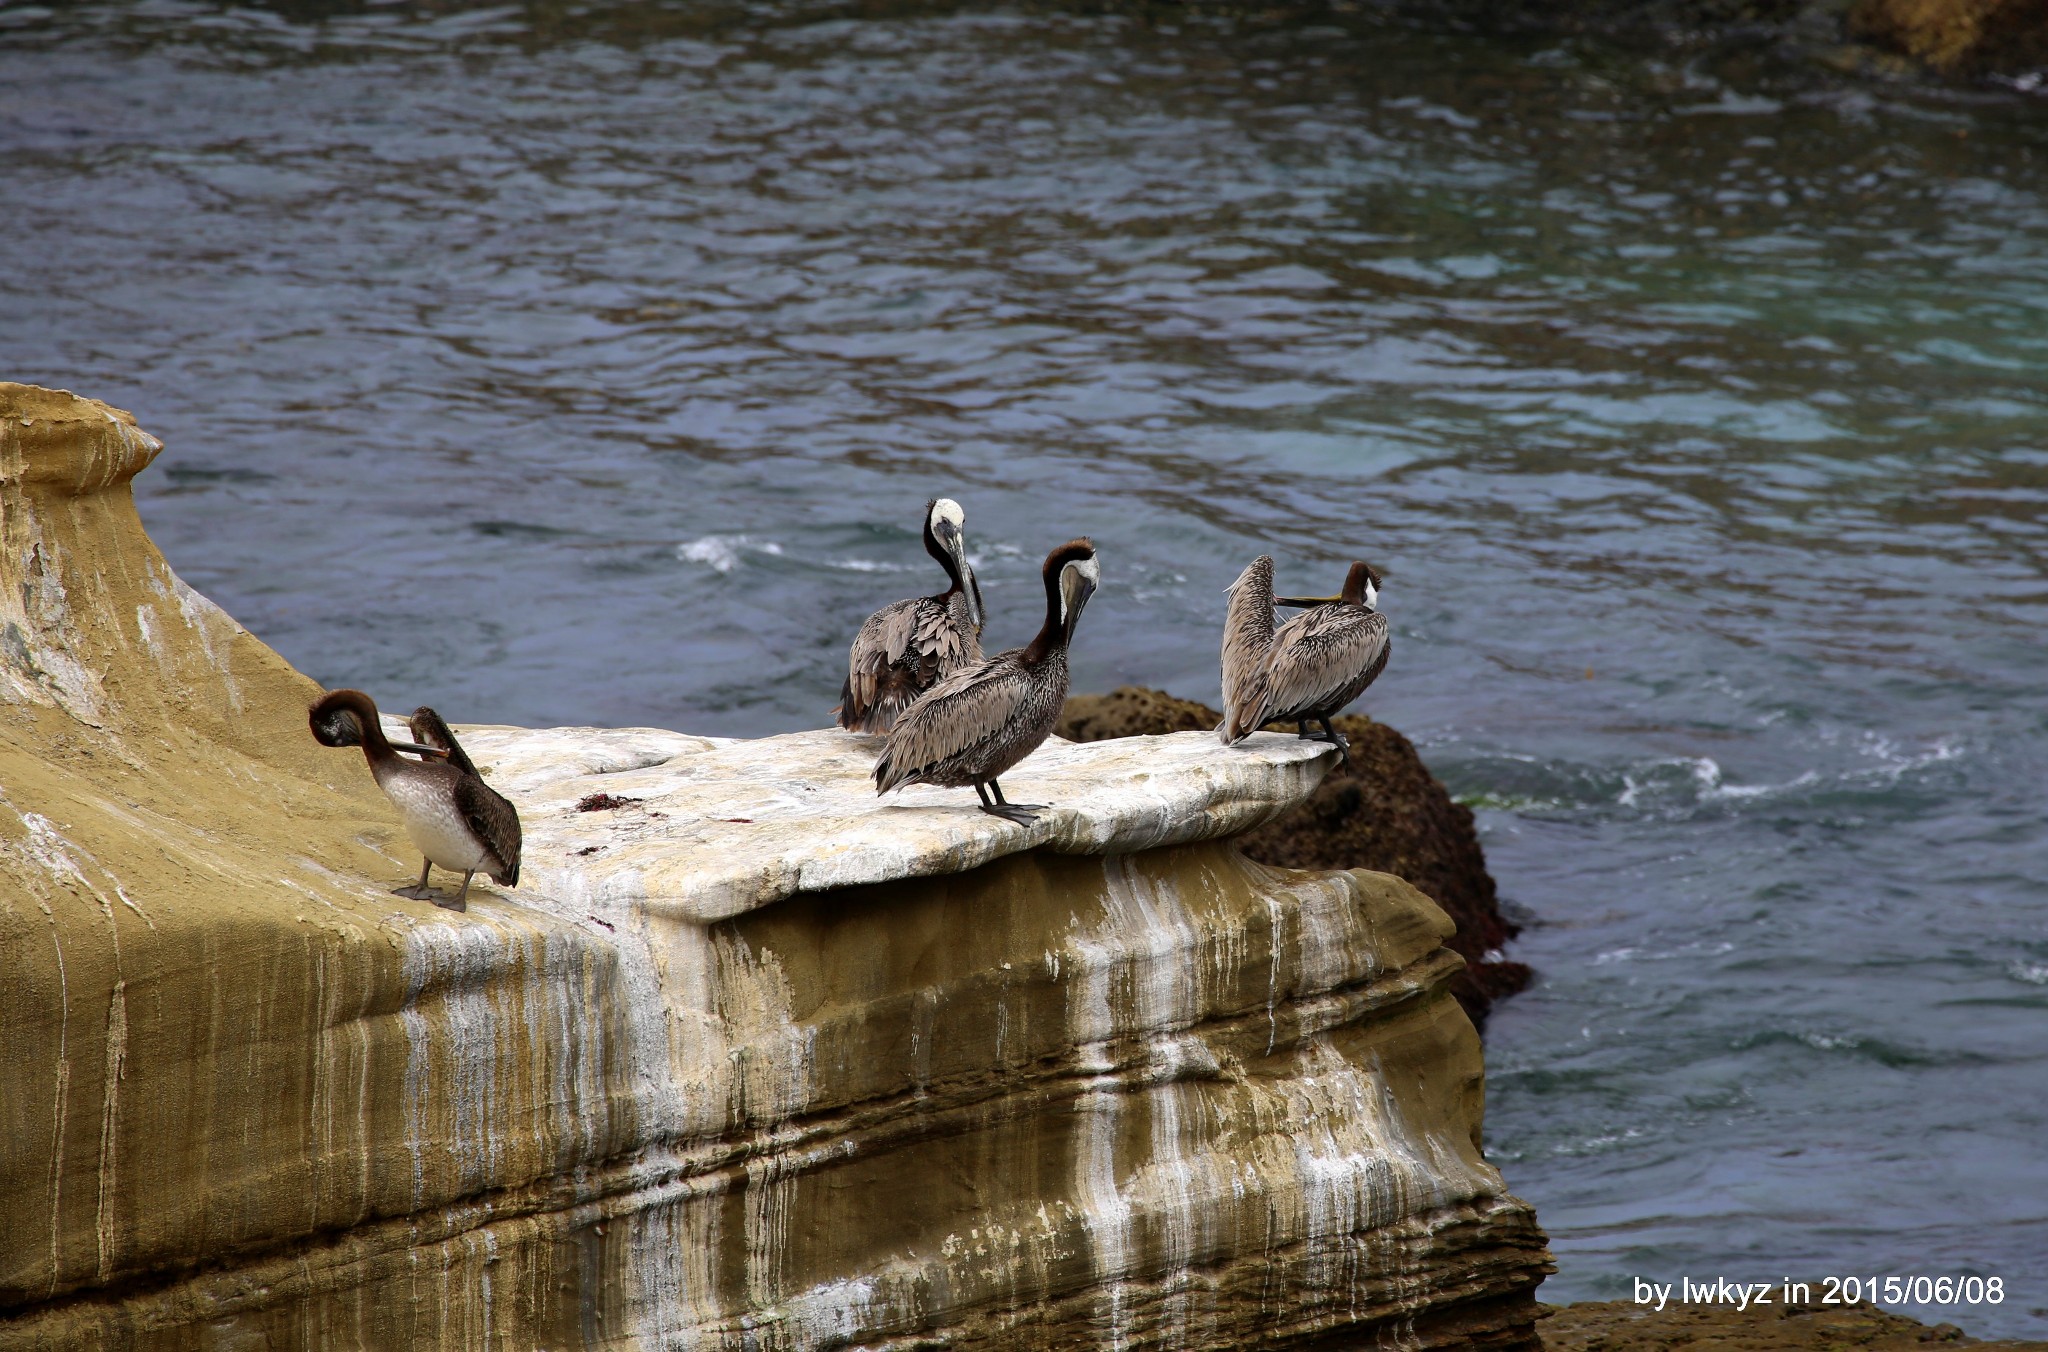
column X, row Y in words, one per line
column 753, row 1060
column 1384, row 811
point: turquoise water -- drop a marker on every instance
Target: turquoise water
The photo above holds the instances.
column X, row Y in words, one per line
column 559, row 363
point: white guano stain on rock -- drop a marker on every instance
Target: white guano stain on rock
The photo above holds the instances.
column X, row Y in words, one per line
column 39, row 634
column 215, row 629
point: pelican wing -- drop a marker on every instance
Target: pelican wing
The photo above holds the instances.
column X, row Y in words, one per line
column 884, row 638
column 1247, row 636
column 945, row 633
column 898, row 651
column 1316, row 658
column 495, row 821
column 960, row 712
column 430, row 729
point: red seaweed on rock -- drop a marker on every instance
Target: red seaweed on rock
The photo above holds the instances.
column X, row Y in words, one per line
column 1384, row 811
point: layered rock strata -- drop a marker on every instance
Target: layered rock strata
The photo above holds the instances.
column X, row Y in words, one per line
column 1382, row 810
column 751, row 1060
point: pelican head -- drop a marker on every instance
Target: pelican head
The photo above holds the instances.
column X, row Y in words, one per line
column 1080, row 573
column 336, row 720
column 945, row 541
column 1361, row 588
column 348, row 718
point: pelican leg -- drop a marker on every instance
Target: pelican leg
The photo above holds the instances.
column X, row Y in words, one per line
column 419, row 891
column 461, row 902
column 1021, row 813
column 1338, row 740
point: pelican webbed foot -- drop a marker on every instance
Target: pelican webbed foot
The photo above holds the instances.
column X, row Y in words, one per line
column 419, row 891
column 461, row 901
column 1328, row 734
column 993, row 803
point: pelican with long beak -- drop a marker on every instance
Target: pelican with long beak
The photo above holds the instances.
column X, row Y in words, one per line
column 904, row 648
column 978, row 722
column 1309, row 668
column 453, row 817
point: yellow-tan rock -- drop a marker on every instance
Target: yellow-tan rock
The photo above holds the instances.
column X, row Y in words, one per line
column 751, row 1059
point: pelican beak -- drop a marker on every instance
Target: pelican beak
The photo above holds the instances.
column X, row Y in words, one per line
column 1083, row 588
column 975, row 611
column 1303, row 602
column 423, row 752
column 956, row 547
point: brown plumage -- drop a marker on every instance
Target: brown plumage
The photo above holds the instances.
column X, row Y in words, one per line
column 490, row 814
column 903, row 649
column 453, row 817
column 1247, row 634
column 431, row 729
column 977, row 723
column 1310, row 667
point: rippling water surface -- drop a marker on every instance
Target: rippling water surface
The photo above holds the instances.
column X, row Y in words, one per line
column 591, row 364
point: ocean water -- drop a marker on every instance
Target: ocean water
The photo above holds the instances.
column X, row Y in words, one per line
column 558, row 363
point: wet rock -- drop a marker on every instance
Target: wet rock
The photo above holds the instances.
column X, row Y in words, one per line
column 1623, row 1326
column 751, row 1060
column 1384, row 811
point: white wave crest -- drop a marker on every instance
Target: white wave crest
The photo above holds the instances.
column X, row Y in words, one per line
column 722, row 553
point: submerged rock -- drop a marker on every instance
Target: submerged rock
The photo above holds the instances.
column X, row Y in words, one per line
column 1384, row 811
column 1958, row 37
column 751, row 1060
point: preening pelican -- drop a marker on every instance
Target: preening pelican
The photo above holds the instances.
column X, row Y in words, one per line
column 1309, row 668
column 454, row 818
column 904, row 648
column 981, row 720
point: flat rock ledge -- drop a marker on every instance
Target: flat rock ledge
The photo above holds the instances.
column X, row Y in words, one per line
column 705, row 828
column 751, row 1060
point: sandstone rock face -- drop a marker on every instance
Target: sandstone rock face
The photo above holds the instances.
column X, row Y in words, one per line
column 751, row 1060
column 1383, row 811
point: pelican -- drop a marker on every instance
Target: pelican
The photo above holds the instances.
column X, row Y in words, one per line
column 905, row 647
column 1314, row 665
column 981, row 720
column 454, row 818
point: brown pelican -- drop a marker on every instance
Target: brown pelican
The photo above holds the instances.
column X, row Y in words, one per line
column 905, row 647
column 981, row 720
column 1314, row 665
column 454, row 818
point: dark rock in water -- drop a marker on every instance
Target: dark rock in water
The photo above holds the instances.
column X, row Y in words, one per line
column 1132, row 711
column 1958, row 37
column 1384, row 811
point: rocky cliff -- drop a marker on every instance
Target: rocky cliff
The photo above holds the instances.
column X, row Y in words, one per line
column 750, row 1060
column 1380, row 810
